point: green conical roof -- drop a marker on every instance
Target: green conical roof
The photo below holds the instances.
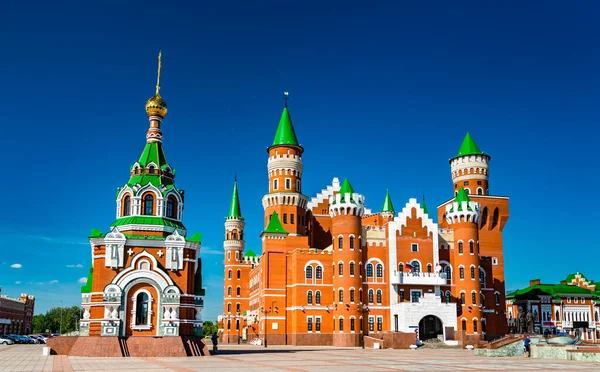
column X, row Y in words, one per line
column 87, row 288
column 234, row 209
column 462, row 197
column 250, row 253
column 469, row 147
column 285, row 134
column 346, row 188
column 275, row 226
column 153, row 153
column 424, row 206
column 387, row 203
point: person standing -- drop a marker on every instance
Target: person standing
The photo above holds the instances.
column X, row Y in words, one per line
column 215, row 342
column 527, row 344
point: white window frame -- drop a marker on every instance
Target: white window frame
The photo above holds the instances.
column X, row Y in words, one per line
column 275, row 184
column 412, row 245
column 415, row 291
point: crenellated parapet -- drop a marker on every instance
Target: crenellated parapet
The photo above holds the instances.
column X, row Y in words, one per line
column 284, row 198
column 350, row 203
column 462, row 211
column 285, row 164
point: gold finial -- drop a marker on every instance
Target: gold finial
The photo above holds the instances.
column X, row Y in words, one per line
column 158, row 77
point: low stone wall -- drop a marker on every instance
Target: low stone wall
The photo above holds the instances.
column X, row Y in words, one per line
column 542, row 351
column 584, row 355
column 97, row 346
column 370, row 342
column 398, row 340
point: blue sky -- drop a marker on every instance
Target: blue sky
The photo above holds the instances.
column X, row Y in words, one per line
column 380, row 92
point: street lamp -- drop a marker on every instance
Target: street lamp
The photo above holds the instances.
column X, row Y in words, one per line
column 266, row 312
column 237, row 324
column 363, row 309
column 61, row 317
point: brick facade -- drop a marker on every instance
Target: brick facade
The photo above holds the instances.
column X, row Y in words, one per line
column 16, row 314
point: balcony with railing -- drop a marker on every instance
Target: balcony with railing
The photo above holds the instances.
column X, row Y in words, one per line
column 419, row 278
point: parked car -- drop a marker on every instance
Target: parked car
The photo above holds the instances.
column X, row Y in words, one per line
column 16, row 338
column 40, row 339
column 4, row 340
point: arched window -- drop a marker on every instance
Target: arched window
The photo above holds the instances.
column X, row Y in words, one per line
column 351, row 242
column 401, row 267
column 238, row 291
column 482, row 300
column 495, row 218
column 460, row 247
column 472, row 272
column 416, row 266
column 448, row 295
column 352, row 295
column 479, row 191
column 448, row 272
column 352, row 268
column 464, row 324
column 229, row 274
column 239, row 274
column 482, row 277
column 308, row 272
column 171, row 207
column 558, row 316
column 379, row 296
column 127, row 206
column 318, row 297
column 340, row 243
column 370, row 296
column 462, row 298
column 497, row 298
column 229, row 307
column 461, row 271
column 309, row 297
column 471, row 247
column 474, row 325
column 229, row 291
column 341, row 329
column 474, row 298
column 148, row 204
column 429, row 268
column 319, row 272
column 237, row 308
column 484, row 216
column 141, row 308
column 341, row 295
column 151, row 169
column 379, row 270
column 341, row 269
column 369, row 270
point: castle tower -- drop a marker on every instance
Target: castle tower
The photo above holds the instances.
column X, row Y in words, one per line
column 234, row 248
column 387, row 212
column 463, row 216
column 146, row 276
column 285, row 178
column 346, row 210
column 470, row 168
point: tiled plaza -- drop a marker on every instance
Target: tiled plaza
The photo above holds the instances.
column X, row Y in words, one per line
column 279, row 358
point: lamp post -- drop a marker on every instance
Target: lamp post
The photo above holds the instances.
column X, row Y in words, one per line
column 266, row 312
column 61, row 317
column 237, row 324
column 363, row 309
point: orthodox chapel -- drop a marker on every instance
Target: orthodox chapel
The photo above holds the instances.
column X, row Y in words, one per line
column 146, row 274
column 333, row 271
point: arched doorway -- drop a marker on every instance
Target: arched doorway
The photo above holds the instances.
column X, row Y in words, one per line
column 430, row 327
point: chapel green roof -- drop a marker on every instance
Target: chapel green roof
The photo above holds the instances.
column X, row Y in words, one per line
column 274, row 226
column 285, row 134
column 387, row 203
column 234, row 209
column 196, row 238
column 468, row 147
column 250, row 253
column 147, row 220
column 555, row 290
column 153, row 153
column 87, row 287
column 570, row 277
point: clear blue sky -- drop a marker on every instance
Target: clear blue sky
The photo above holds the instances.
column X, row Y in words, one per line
column 382, row 93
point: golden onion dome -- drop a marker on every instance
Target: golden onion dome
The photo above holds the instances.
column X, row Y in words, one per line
column 156, row 106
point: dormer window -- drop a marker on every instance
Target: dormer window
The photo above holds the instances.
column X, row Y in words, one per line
column 151, row 169
column 171, row 207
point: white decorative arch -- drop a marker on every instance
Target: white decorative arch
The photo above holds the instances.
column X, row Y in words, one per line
column 131, row 273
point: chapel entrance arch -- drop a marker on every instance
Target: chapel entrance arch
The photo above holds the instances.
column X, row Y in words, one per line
column 430, row 327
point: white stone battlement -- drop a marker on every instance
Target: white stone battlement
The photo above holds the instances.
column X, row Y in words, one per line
column 251, row 260
column 470, row 166
column 462, row 212
column 284, row 198
column 234, row 224
column 233, row 244
column 325, row 193
column 353, row 204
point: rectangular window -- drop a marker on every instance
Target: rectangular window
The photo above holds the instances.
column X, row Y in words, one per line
column 460, row 247
column 292, row 218
column 302, row 219
column 352, row 324
column 461, row 271
column 288, row 183
column 309, row 324
column 380, row 323
column 402, row 296
column 415, row 296
column 298, row 185
column 371, row 324
column 352, row 295
column 237, row 255
column 479, row 183
column 275, row 184
column 466, row 183
column 285, row 218
column 318, row 324
column 414, row 247
column 341, row 325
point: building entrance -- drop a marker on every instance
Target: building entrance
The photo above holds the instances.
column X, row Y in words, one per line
column 430, row 327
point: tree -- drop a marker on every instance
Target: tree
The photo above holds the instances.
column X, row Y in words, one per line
column 51, row 321
column 208, row 328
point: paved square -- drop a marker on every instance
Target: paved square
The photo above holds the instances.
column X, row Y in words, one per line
column 250, row 358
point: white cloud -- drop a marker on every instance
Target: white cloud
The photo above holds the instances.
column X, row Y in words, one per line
column 210, row 251
column 82, row 280
column 53, row 281
column 17, row 282
column 16, row 266
column 78, row 266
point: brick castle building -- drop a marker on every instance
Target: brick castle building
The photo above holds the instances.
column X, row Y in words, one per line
column 333, row 270
column 16, row 314
column 146, row 274
column 573, row 304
